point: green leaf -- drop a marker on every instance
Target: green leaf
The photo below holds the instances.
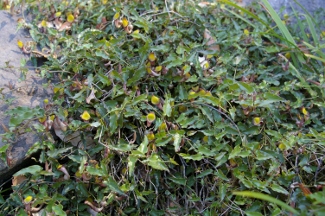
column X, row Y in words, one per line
column 34, row 170
column 143, row 148
column 156, row 162
column 178, row 180
column 195, row 157
column 131, row 164
column 177, row 141
column 246, row 87
column 112, row 184
column 95, row 171
column 268, row 198
column 235, row 152
column 58, row 210
column 167, row 108
column 277, row 188
column 269, row 98
column 136, row 76
column 205, row 173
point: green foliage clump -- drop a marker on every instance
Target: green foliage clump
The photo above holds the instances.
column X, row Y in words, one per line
column 176, row 106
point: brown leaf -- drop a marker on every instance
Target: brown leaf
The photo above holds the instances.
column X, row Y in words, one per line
column 211, row 42
column 304, row 189
column 91, row 96
column 65, row 26
column 17, row 180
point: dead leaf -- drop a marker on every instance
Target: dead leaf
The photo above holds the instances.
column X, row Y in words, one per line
column 91, row 96
column 17, row 180
column 211, row 42
column 65, row 26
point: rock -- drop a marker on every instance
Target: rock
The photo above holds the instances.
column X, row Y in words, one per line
column 29, row 92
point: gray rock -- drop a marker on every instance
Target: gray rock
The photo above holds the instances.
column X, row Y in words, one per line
column 29, row 92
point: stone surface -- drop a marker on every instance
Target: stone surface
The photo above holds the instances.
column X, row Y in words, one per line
column 22, row 93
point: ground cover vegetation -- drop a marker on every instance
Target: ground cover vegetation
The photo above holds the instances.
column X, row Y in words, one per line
column 172, row 108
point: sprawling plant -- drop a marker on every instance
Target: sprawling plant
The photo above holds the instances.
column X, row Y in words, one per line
column 164, row 107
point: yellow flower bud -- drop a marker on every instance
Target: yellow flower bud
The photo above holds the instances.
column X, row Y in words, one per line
column 282, row 146
column 151, row 117
column 257, row 121
column 155, row 100
column 85, row 116
column 163, row 126
column 125, row 22
column 158, row 68
column 20, row 44
column 28, row 199
column 43, row 23
column 152, row 57
column 246, row 32
column 151, row 136
column 70, row 18
column 304, row 111
column 57, row 14
column 116, row 16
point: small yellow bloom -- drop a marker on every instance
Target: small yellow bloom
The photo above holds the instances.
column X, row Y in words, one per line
column 57, row 14
column 43, row 23
column 20, row 44
column 104, row 1
column 116, row 16
column 192, row 92
column 65, row 112
column 125, row 22
column 85, row 116
column 304, row 111
column 151, row 117
column 28, row 199
column 286, row 16
column 155, row 100
column 52, row 117
column 257, row 121
column 151, row 136
column 246, row 32
column 205, row 139
column 70, row 18
column 46, row 101
column 42, row 119
column 287, row 55
column 323, row 33
column 282, row 146
column 163, row 126
column 152, row 57
column 158, row 68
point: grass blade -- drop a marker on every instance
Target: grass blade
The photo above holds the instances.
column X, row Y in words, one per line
column 268, row 198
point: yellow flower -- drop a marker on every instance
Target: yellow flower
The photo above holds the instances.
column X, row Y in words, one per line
column 57, row 14
column 125, row 22
column 151, row 117
column 282, row 146
column 152, row 57
column 151, row 136
column 46, row 101
column 28, row 199
column 85, row 116
column 246, row 32
column 70, row 18
column 304, row 111
column 52, row 117
column 43, row 23
column 287, row 55
column 42, row 119
column 158, row 68
column 104, row 1
column 205, row 139
column 20, row 44
column 257, row 121
column 155, row 100
column 116, row 16
column 163, row 126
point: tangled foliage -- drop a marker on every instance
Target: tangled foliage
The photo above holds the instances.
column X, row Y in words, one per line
column 167, row 108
